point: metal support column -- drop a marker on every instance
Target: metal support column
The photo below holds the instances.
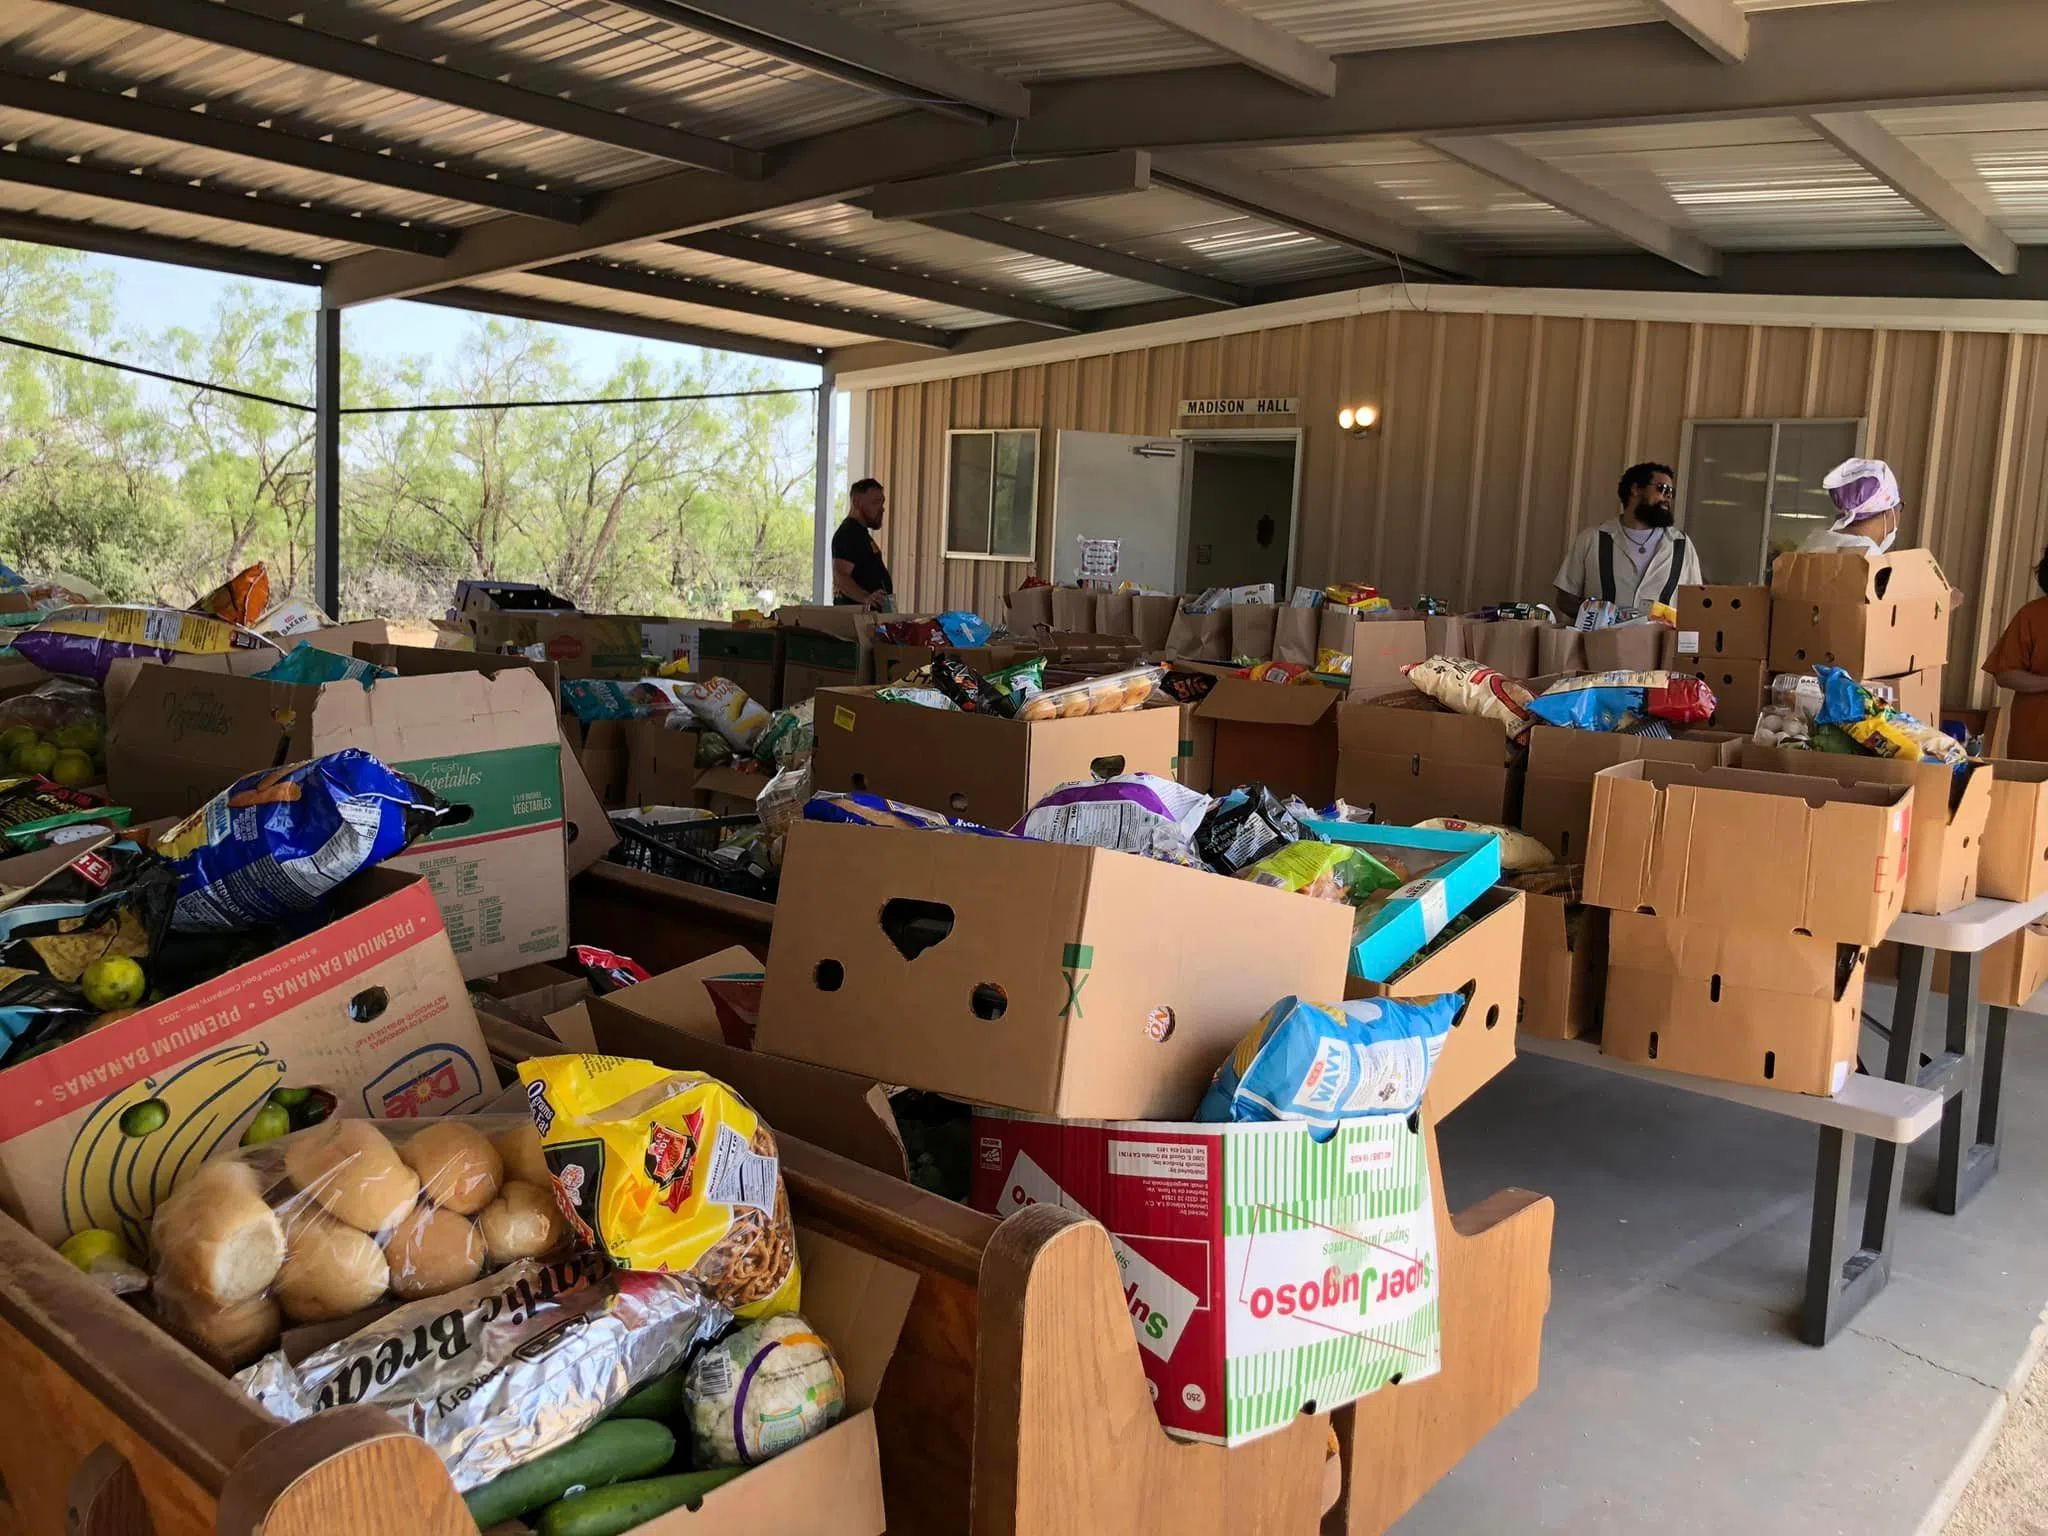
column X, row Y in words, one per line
column 327, row 460
column 821, row 547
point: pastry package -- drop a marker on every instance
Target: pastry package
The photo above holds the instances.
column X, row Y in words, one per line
column 1109, row 695
column 320, row 1224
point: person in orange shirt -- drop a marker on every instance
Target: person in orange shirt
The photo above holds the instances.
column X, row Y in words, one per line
column 2019, row 662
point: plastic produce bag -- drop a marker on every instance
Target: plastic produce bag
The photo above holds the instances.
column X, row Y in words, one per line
column 766, row 1388
column 272, row 845
column 723, row 705
column 62, row 715
column 504, row 1369
column 668, row 1171
column 923, row 698
column 85, row 642
column 316, row 1224
column 1327, row 871
column 1877, row 727
column 789, row 739
column 1325, row 1063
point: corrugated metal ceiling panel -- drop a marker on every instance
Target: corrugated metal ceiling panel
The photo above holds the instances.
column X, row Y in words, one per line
column 682, row 262
column 1997, row 155
column 15, row 198
column 1180, row 230
column 556, row 291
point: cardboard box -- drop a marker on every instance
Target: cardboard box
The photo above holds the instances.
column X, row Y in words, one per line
column 1564, row 969
column 475, row 597
column 1412, row 762
column 587, row 834
column 1950, row 810
column 2014, row 968
column 487, row 740
column 1267, row 1275
column 601, row 750
column 1917, row 693
column 1872, row 616
column 661, row 764
column 1281, row 735
column 1741, row 688
column 1483, row 960
column 814, row 659
column 1557, row 796
column 1725, row 621
column 977, row 766
column 2013, row 861
column 581, row 644
column 728, row 791
column 1631, row 648
column 893, row 662
column 529, row 993
column 750, row 657
column 342, row 639
column 1408, row 921
column 1196, row 765
column 370, row 1006
column 1044, row 977
column 1736, row 845
column 1767, row 1007
column 1381, row 647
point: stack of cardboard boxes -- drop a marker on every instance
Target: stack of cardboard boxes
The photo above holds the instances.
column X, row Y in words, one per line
column 1724, row 640
column 1882, row 619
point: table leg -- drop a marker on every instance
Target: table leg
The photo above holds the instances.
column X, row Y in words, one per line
column 1902, row 1065
column 1969, row 1120
column 1837, row 1288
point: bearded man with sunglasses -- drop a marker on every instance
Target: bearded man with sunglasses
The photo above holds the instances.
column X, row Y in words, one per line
column 1637, row 559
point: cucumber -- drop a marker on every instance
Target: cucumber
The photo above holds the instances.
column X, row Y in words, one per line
column 602, row 1454
column 661, row 1398
column 608, row 1511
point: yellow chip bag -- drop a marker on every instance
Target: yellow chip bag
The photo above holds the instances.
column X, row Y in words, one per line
column 668, row 1171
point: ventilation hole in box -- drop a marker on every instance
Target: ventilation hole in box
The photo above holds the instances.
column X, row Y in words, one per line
column 1733, row 602
column 988, row 1001
column 1714, row 990
column 1521, row 1011
column 1884, row 580
column 1770, row 1065
column 958, row 802
column 1492, row 1015
column 1308, row 1409
column 1653, row 1045
column 830, row 975
column 569, row 830
column 915, row 926
column 1394, row 1380
column 368, row 1004
column 1414, row 1122
column 1107, row 767
column 860, row 783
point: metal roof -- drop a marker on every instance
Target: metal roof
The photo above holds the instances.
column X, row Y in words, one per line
column 700, row 165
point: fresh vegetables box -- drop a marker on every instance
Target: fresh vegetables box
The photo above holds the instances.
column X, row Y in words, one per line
column 486, row 742
column 1267, row 1274
column 1448, row 871
column 369, row 1007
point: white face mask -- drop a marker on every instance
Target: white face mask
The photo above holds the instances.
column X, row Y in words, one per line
column 1889, row 540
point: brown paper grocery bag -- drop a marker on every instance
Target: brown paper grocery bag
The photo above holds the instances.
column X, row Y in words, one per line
column 1215, row 643
column 1559, row 650
column 1184, row 634
column 1073, row 610
column 1506, row 645
column 1153, row 619
column 1294, row 635
column 1030, row 610
column 1113, row 615
column 1333, row 629
column 1251, row 630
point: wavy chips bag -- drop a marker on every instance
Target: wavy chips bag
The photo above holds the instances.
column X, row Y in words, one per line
column 668, row 1171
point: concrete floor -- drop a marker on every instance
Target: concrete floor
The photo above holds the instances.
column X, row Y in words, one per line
column 1675, row 1396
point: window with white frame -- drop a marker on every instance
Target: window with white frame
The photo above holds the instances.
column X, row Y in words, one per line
column 992, row 495
column 1751, row 490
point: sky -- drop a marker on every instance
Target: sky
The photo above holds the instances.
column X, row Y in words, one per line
column 153, row 297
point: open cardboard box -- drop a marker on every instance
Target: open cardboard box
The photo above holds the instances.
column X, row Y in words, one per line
column 1411, row 761
column 2013, row 865
column 1738, row 846
column 978, row 767
column 1557, row 795
column 1950, row 811
column 1457, row 869
column 370, row 1006
column 1564, row 969
column 1043, row 977
column 1741, row 688
column 1767, row 1007
column 750, row 655
column 581, row 644
column 1281, row 735
column 1872, row 616
column 1725, row 621
column 1484, row 959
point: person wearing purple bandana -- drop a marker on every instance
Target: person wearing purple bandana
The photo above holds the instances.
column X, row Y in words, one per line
column 1866, row 495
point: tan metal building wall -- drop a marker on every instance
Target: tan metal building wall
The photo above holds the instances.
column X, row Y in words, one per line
column 1503, row 433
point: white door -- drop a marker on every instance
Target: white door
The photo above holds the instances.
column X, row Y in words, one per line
column 1108, row 486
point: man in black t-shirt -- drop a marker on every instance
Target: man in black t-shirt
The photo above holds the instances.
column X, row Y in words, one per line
column 860, row 577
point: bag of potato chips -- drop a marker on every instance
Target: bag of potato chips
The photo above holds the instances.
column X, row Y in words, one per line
column 85, row 642
column 668, row 1171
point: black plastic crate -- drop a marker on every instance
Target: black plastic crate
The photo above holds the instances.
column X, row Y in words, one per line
column 681, row 850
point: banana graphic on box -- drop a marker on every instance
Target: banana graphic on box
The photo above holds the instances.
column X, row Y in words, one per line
column 116, row 1173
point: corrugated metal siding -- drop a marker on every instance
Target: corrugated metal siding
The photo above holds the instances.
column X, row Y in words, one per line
column 1504, row 433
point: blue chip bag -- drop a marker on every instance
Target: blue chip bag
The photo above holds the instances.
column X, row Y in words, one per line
column 963, row 629
column 273, row 845
column 1325, row 1063
column 309, row 664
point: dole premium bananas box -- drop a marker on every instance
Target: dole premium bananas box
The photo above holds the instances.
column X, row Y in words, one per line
column 1267, row 1274
column 370, row 1009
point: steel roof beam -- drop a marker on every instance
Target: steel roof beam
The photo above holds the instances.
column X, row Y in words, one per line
column 1913, row 272
column 1582, row 200
column 1610, row 77
column 288, row 42
column 742, row 301
column 845, row 50
column 1719, row 26
column 1300, row 208
column 1092, row 258
column 862, row 273
column 822, row 169
column 106, row 240
column 1863, row 139
column 1260, row 44
column 103, row 107
column 515, row 306
column 213, row 202
column 1036, row 181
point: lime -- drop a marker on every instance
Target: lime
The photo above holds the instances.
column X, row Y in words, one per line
column 290, row 1098
column 113, row 982
column 38, row 757
column 271, row 1122
column 15, row 737
column 73, row 768
column 94, row 1246
column 84, row 735
column 141, row 1119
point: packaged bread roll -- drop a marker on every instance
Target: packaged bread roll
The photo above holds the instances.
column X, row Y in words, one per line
column 216, row 1239
column 459, row 1170
column 353, row 1173
column 518, row 1149
column 433, row 1250
column 237, row 1334
column 524, row 1222
column 330, row 1270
